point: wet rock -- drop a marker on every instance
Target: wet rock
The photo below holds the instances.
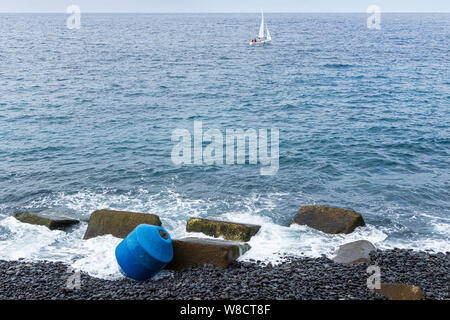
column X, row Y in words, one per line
column 398, row 291
column 52, row 222
column 354, row 252
column 329, row 219
column 189, row 252
column 229, row 230
column 117, row 223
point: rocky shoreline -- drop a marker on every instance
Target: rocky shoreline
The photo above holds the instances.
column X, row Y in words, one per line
column 295, row 278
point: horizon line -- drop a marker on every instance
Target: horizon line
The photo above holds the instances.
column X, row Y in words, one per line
column 210, row 12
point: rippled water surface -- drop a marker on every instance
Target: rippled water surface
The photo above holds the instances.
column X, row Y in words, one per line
column 86, row 118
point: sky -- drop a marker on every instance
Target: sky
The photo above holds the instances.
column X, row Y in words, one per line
column 224, row 5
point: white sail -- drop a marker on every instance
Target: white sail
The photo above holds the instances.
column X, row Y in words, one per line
column 268, row 34
column 261, row 27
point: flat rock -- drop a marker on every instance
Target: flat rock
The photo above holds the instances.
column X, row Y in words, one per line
column 52, row 222
column 117, row 223
column 329, row 219
column 399, row 291
column 228, row 230
column 189, row 252
column 354, row 252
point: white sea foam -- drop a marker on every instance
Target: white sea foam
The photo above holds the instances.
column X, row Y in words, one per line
column 273, row 241
column 99, row 260
column 30, row 242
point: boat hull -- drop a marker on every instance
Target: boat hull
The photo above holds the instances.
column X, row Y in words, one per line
column 259, row 43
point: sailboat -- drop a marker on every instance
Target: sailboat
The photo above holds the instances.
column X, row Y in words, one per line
column 262, row 38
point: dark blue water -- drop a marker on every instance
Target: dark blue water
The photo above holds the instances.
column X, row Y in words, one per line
column 86, row 117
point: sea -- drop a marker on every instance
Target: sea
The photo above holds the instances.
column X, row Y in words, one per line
column 87, row 118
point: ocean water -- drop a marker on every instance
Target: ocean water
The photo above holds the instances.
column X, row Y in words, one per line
column 86, row 118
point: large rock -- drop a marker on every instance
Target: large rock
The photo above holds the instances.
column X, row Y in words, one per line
column 354, row 252
column 117, row 223
column 53, row 222
column 398, row 291
column 189, row 252
column 329, row 219
column 229, row 230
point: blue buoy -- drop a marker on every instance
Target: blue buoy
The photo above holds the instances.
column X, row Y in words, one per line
column 144, row 252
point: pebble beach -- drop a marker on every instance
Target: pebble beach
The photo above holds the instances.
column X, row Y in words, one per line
column 295, row 278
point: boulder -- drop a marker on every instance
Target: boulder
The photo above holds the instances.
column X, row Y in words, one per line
column 354, row 252
column 229, row 230
column 117, row 223
column 53, row 222
column 398, row 291
column 189, row 252
column 329, row 219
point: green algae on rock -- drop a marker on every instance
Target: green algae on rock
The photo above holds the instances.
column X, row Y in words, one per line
column 47, row 220
column 229, row 230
